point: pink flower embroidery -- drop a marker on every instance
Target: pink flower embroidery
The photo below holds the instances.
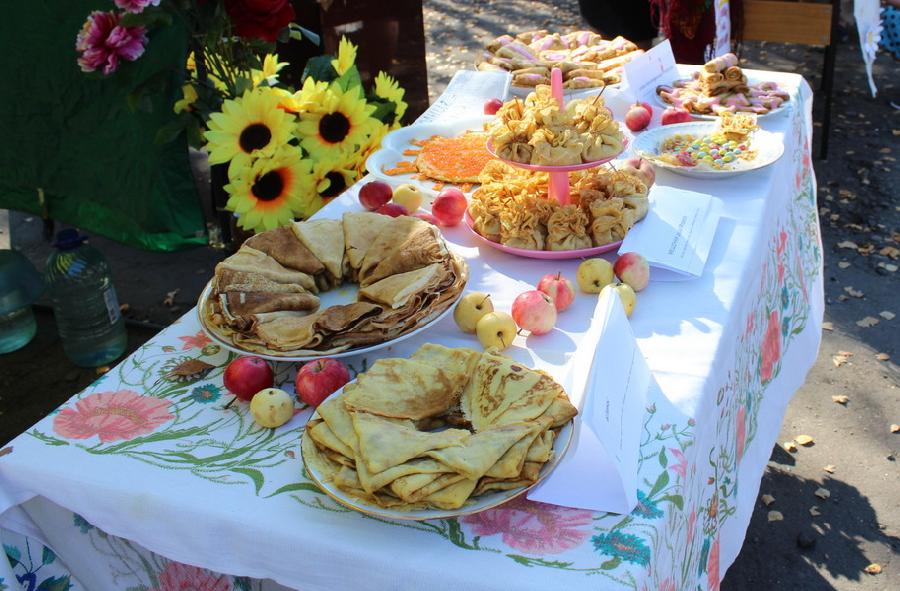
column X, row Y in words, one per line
column 692, row 521
column 183, row 577
column 135, row 6
column 102, row 42
column 712, row 566
column 681, row 466
column 113, row 416
column 198, row 340
column 771, row 347
column 667, row 585
column 741, row 429
column 532, row 527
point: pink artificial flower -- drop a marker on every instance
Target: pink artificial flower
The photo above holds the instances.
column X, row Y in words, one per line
column 135, row 6
column 712, row 566
column 532, row 527
column 102, row 42
column 198, row 340
column 741, row 429
column 681, row 466
column 113, row 416
column 771, row 347
column 184, row 577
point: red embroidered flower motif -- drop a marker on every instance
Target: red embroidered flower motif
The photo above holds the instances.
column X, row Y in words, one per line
column 198, row 340
column 102, row 42
column 681, row 466
column 113, row 416
column 771, row 347
column 535, row 528
column 741, row 429
column 712, row 566
column 183, row 577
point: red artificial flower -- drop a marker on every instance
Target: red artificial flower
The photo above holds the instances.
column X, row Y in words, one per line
column 263, row 19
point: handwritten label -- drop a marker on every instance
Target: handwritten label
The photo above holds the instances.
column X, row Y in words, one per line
column 647, row 71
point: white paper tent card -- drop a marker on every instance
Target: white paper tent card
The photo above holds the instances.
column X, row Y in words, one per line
column 608, row 383
column 466, row 94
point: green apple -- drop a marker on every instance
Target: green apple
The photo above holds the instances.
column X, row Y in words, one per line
column 496, row 330
column 272, row 407
column 408, row 196
column 470, row 309
column 594, row 274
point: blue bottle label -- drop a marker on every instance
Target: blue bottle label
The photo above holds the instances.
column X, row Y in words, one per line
column 112, row 305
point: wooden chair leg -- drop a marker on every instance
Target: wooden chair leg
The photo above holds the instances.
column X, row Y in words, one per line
column 828, row 78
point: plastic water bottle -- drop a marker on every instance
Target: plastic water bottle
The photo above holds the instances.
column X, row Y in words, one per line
column 84, row 301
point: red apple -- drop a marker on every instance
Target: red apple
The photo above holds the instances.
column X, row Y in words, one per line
column 560, row 290
column 317, row 380
column 245, row 376
column 491, row 106
column 646, row 106
column 394, row 210
column 449, row 206
column 675, row 115
column 374, row 194
column 632, row 269
column 641, row 168
column 424, row 215
column 535, row 312
column 637, row 118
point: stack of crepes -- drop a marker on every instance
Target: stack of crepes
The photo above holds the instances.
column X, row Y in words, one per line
column 586, row 59
column 512, row 207
column 537, row 131
column 722, row 74
column 264, row 296
column 380, row 439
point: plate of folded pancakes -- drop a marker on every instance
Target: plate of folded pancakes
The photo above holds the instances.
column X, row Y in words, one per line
column 334, row 287
column 445, row 432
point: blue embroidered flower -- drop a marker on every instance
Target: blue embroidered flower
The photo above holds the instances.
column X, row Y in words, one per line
column 627, row 547
column 785, row 298
column 785, row 326
column 206, row 393
column 646, row 508
column 81, row 523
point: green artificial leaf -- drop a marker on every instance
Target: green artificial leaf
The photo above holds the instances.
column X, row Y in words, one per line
column 384, row 110
column 660, row 484
column 676, row 500
column 255, row 475
column 350, row 78
column 320, row 69
column 611, row 563
column 242, row 85
column 169, row 131
column 55, row 584
column 47, row 556
column 663, row 460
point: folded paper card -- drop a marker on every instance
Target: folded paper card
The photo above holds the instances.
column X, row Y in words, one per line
column 466, row 94
column 608, row 382
column 645, row 72
column 677, row 234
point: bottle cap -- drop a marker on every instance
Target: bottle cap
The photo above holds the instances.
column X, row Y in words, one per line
column 68, row 239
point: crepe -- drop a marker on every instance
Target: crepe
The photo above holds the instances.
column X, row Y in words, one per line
column 325, row 239
column 360, row 231
column 396, row 290
column 417, row 390
column 482, row 450
column 282, row 245
column 250, row 260
column 384, row 444
column 243, row 303
column 456, row 364
column 421, row 248
column 393, row 234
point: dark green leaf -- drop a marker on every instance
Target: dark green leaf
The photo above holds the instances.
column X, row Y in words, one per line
column 169, row 131
column 663, row 460
column 320, row 69
column 47, row 556
column 255, row 475
column 55, row 584
column 295, row 487
column 676, row 500
column 242, row 85
column 611, row 563
column 660, row 484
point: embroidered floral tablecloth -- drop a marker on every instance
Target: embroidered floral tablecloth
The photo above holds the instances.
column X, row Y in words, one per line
column 145, row 481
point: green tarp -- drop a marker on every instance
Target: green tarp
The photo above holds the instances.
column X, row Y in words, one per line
column 74, row 136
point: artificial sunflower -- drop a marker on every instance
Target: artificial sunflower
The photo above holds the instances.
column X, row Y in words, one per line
column 190, row 95
column 272, row 191
column 339, row 123
column 388, row 89
column 346, row 57
column 379, row 130
column 251, row 125
column 310, row 95
column 332, row 177
column 269, row 73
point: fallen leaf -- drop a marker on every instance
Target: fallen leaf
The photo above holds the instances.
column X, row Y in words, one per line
column 867, row 322
column 882, row 356
column 868, row 248
column 123, row 308
column 848, row 244
column 827, row 326
column 789, row 446
column 890, row 251
column 814, row 511
column 843, row 298
column 843, row 264
column 767, row 499
column 834, row 217
column 775, row 516
column 822, row 493
column 804, row 440
column 853, row 292
column 841, row 399
column 846, row 194
column 895, row 428
column 830, row 468
column 872, row 569
column 887, row 315
column 884, row 151
column 169, row 300
column 841, row 358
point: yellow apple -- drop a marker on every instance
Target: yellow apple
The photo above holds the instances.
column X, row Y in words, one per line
column 272, row 407
column 594, row 274
column 470, row 309
column 626, row 295
column 496, row 330
column 408, row 196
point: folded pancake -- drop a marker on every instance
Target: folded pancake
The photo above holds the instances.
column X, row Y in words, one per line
column 372, row 482
column 335, row 414
column 344, row 317
column 416, row 487
column 542, row 449
column 510, row 464
column 421, row 248
column 393, row 234
column 384, row 444
column 325, row 239
column 230, row 280
column 457, row 363
column 482, row 450
column 282, row 245
column 284, row 331
column 250, row 260
column 417, row 391
column 244, row 303
column 453, row 496
column 560, row 411
column 322, row 434
column 316, row 460
column 360, row 231
column 397, row 290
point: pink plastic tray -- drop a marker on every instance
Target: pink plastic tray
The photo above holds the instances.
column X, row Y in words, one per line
column 558, row 168
column 542, row 254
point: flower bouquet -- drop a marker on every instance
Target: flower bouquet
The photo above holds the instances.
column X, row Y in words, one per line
column 287, row 151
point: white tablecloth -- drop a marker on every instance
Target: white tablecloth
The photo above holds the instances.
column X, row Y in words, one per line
column 145, row 481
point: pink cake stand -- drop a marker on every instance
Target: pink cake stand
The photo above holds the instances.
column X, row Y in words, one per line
column 558, row 188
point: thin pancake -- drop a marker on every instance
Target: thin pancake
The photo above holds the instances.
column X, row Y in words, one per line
column 250, row 260
column 325, row 238
column 417, row 391
column 384, row 444
column 421, row 248
column 395, row 291
column 482, row 450
column 282, row 245
column 392, row 235
column 360, row 231
column 244, row 303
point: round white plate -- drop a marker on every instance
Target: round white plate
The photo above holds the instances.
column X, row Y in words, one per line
column 400, row 139
column 769, row 147
column 781, row 108
column 476, row 505
column 345, row 294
